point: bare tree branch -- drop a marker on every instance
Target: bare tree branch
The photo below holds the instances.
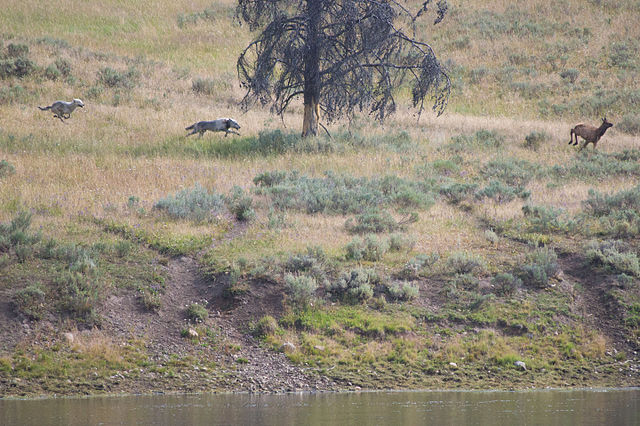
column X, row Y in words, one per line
column 364, row 52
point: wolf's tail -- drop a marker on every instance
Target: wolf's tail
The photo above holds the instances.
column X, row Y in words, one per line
column 190, row 127
column 45, row 108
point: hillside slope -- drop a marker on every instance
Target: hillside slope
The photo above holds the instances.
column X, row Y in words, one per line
column 415, row 254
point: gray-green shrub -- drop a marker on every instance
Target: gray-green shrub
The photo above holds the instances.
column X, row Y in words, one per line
column 534, row 140
column 203, row 86
column 482, row 139
column 240, row 204
column 78, row 295
column 16, row 67
column 402, row 290
column 418, row 264
column 196, row 204
column 540, row 266
column 465, row 263
column 630, row 123
column 371, row 222
column 342, row 194
column 457, row 192
column 11, row 93
column 544, row 218
column 17, row 50
column 372, row 248
column 312, row 262
column 501, row 193
column 505, row 284
column 16, row 233
column 613, row 255
column 119, row 79
column 354, row 286
column 513, row 172
column 300, row 288
column 6, row 168
column 30, row 300
column 401, row 242
column 63, row 66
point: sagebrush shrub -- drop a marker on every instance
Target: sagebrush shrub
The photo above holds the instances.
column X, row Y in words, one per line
column 355, row 249
column 119, row 79
column 240, row 204
column 501, row 192
column 12, row 93
column 203, row 86
column 312, row 263
column 465, row 263
column 512, row 172
column 371, row 248
column 355, row 286
column 457, row 192
column 570, row 75
column 78, row 294
column 30, row 300
column 6, row 168
column 195, row 204
column 614, row 255
column 301, row 289
column 630, row 123
column 534, row 140
column 544, row 218
column 505, row 284
column 16, row 233
column 342, row 194
column 540, row 266
column 598, row 164
column 479, row 140
column 401, row 242
column 402, row 290
column 17, row 50
column 371, row 222
column 599, row 204
column 63, row 66
column 418, row 264
column 16, row 67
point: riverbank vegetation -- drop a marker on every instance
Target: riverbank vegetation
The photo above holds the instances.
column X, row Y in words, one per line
column 431, row 253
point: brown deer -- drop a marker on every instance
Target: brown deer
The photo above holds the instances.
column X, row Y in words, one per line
column 589, row 133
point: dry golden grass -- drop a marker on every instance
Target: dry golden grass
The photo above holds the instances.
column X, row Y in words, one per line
column 89, row 166
column 97, row 345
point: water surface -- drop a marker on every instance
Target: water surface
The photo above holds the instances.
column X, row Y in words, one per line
column 549, row 407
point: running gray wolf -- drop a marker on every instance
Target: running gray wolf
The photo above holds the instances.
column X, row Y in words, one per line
column 62, row 109
column 589, row 133
column 225, row 125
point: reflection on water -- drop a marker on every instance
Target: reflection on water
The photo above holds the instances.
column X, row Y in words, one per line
column 576, row 407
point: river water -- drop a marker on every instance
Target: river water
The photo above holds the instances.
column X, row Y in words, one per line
column 494, row 408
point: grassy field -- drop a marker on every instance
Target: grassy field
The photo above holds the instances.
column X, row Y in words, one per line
column 460, row 243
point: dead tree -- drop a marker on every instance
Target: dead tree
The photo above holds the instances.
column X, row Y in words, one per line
column 341, row 56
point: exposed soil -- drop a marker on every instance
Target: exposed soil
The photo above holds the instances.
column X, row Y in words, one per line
column 245, row 365
column 226, row 357
column 593, row 304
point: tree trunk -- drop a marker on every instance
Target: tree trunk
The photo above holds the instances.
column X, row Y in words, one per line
column 311, row 118
column 312, row 69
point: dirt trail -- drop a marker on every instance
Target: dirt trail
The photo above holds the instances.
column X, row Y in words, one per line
column 248, row 367
column 598, row 310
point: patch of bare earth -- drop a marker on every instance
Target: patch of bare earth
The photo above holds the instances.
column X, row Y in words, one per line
column 241, row 363
column 597, row 309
